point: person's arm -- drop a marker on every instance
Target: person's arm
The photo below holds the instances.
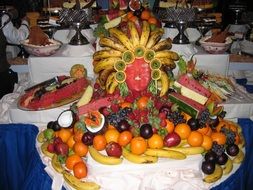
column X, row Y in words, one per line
column 15, row 35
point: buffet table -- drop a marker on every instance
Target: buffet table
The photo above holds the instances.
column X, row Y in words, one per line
column 18, row 149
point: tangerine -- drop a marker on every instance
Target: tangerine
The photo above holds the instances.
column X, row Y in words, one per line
column 219, row 137
column 183, row 130
column 125, row 105
column 80, row 149
column 204, row 130
column 221, row 124
column 155, row 141
column 99, row 142
column 138, row 145
column 72, row 160
column 71, row 141
column 124, row 138
column 142, row 102
column 207, row 142
column 80, row 170
column 169, row 126
column 112, row 135
column 195, row 139
column 145, row 15
column 64, row 134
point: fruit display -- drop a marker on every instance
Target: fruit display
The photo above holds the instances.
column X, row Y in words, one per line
column 139, row 113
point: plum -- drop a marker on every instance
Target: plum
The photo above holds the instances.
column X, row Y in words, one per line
column 171, row 139
column 61, row 149
column 113, row 149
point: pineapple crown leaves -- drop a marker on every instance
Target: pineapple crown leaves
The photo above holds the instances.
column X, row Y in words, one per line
column 182, row 65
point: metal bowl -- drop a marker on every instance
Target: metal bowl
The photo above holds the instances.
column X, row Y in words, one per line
column 46, row 50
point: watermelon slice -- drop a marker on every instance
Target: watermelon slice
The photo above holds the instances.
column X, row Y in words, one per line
column 194, row 85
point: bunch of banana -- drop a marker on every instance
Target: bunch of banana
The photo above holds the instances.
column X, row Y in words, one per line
column 165, row 153
column 134, row 35
column 167, row 54
column 104, row 74
column 162, row 45
column 114, row 32
column 111, row 83
column 227, row 168
column 45, row 151
column 56, row 164
column 109, row 42
column 165, row 83
column 138, row 159
column 41, row 138
column 187, row 150
column 239, row 157
column 154, row 38
column 77, row 184
column 215, row 176
column 105, row 64
column 103, row 159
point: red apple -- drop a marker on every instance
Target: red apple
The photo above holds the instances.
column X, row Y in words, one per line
column 171, row 139
column 113, row 149
column 61, row 149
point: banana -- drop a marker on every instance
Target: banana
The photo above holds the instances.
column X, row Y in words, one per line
column 145, row 33
column 187, row 150
column 41, row 137
column 165, row 153
column 56, row 164
column 135, row 39
column 78, row 184
column 108, row 42
column 168, row 54
column 102, row 159
column 111, row 83
column 215, row 176
column 154, row 38
column 45, row 151
column 105, row 64
column 103, row 75
column 121, row 37
column 239, row 157
column 163, row 45
column 102, row 54
column 182, row 143
column 138, row 159
column 168, row 62
column 112, row 87
column 165, row 83
column 228, row 167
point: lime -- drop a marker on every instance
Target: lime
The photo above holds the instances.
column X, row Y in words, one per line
column 120, row 76
column 156, row 74
column 120, row 65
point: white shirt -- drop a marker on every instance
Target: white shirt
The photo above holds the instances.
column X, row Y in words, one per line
column 15, row 35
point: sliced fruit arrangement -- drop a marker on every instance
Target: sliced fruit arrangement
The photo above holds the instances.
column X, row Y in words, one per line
column 141, row 59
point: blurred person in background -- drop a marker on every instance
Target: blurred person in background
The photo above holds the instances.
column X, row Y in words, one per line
column 13, row 35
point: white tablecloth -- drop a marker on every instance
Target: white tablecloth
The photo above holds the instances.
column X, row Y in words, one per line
column 43, row 68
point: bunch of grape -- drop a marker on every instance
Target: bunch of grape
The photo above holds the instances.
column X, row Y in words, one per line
column 115, row 118
column 203, row 118
column 218, row 149
column 176, row 117
column 229, row 134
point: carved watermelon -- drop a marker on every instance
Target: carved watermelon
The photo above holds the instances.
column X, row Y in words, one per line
column 194, row 85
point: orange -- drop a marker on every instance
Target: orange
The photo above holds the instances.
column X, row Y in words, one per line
column 124, row 138
column 219, row 137
column 71, row 141
column 195, row 139
column 169, row 126
column 80, row 149
column 155, row 141
column 204, row 130
column 110, row 127
column 99, row 142
column 125, row 105
column 142, row 102
column 209, row 132
column 72, row 160
column 138, row 145
column 64, row 134
column 78, row 136
column 145, row 15
column 152, row 20
column 80, row 170
column 237, row 139
column 183, row 130
column 207, row 142
column 233, row 128
column 112, row 135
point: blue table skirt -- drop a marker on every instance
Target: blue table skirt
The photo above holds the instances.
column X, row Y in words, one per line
column 22, row 168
